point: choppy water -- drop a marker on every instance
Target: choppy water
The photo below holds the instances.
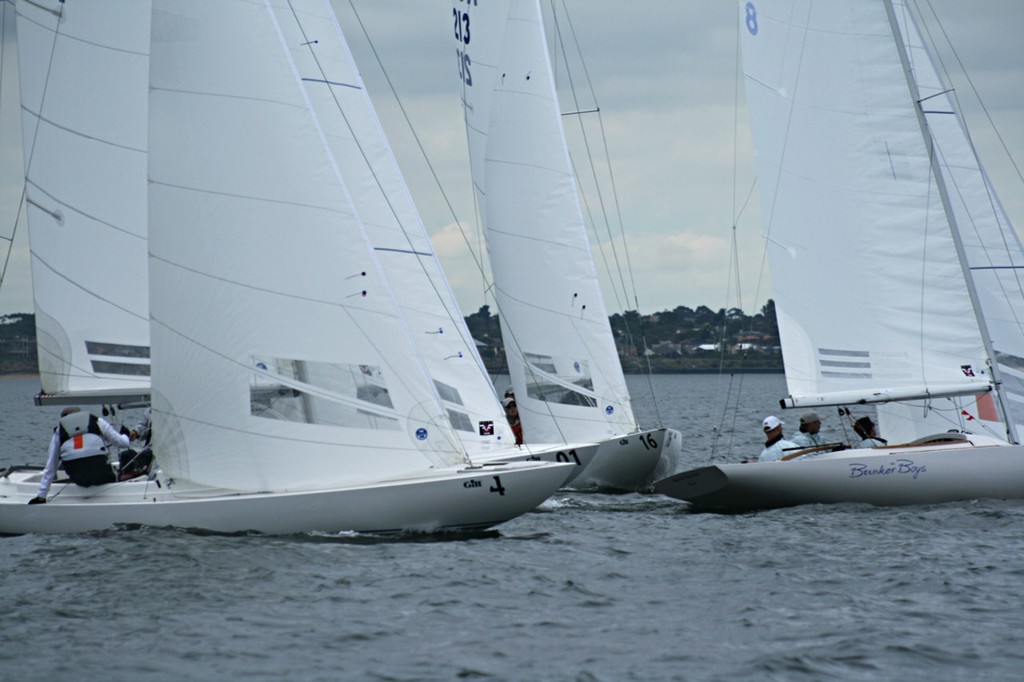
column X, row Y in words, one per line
column 589, row 587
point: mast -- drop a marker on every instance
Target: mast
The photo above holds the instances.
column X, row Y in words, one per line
column 954, row 228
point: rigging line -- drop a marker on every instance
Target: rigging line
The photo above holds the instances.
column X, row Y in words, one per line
column 586, row 139
column 970, row 82
column 310, row 45
column 446, row 298
column 615, row 201
column 10, row 17
column 620, row 304
column 1007, row 249
column 35, row 136
column 477, row 258
column 994, row 203
column 448, row 434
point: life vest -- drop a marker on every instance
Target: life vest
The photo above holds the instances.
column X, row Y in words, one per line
column 80, row 436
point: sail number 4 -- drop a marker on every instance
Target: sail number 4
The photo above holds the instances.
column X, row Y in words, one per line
column 496, row 488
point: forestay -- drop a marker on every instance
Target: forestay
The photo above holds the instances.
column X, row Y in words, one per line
column 393, row 225
column 84, row 71
column 869, row 290
column 561, row 353
column 263, row 281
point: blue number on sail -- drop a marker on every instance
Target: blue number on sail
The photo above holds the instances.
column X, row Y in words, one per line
column 751, row 18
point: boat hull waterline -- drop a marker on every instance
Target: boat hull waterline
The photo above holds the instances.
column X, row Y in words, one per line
column 447, row 499
column 627, row 463
column 885, row 477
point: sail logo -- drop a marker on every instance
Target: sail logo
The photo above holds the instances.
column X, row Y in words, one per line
column 751, row 18
column 421, row 433
column 897, row 468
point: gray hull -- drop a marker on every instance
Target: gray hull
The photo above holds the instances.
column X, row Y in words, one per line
column 625, row 463
column 978, row 469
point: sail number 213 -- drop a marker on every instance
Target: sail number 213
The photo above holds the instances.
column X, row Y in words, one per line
column 463, row 36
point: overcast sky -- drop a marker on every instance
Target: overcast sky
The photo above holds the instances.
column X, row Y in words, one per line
column 664, row 76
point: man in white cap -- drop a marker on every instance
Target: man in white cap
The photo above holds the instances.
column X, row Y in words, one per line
column 810, row 424
column 775, row 446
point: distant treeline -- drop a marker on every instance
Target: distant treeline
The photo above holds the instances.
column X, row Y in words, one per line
column 679, row 340
column 671, row 341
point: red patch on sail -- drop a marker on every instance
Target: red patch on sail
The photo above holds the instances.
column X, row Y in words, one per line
column 987, row 408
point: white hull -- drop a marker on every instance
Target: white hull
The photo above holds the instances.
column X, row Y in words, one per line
column 625, row 463
column 978, row 468
column 436, row 500
column 580, row 455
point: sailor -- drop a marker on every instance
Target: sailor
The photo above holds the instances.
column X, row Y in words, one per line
column 143, row 430
column 865, row 428
column 810, row 424
column 80, row 441
column 512, row 412
column 775, row 445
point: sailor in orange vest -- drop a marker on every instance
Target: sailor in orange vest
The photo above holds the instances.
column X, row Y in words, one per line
column 80, row 441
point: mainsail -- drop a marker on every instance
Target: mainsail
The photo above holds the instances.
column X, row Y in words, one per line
column 262, row 278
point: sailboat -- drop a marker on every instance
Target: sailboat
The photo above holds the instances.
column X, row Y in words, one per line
column 565, row 372
column 287, row 392
column 895, row 270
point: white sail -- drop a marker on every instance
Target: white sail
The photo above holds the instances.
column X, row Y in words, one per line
column 393, row 225
column 867, row 282
column 12, row 168
column 561, row 353
column 991, row 244
column 84, row 71
column 280, row 358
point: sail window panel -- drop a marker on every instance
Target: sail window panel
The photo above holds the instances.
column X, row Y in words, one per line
column 460, row 421
column 331, row 394
column 121, row 368
column 118, row 350
column 551, row 380
column 449, row 394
